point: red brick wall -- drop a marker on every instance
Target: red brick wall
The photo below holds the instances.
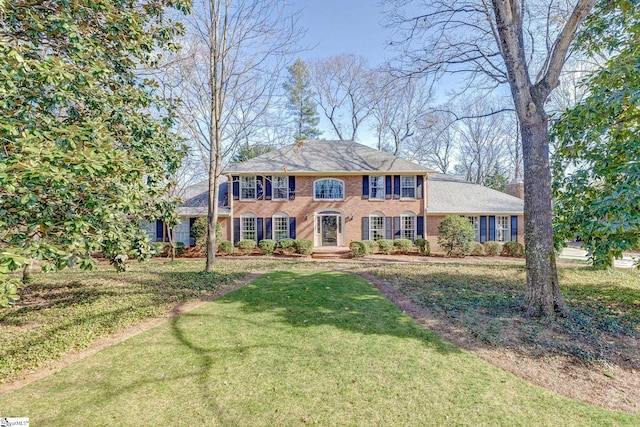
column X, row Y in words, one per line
column 304, row 204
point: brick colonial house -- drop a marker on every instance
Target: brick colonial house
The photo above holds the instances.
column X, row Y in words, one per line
column 335, row 192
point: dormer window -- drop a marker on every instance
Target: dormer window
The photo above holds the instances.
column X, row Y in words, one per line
column 328, row 189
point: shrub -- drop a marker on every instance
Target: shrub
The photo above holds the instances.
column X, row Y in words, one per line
column 358, row 249
column 403, row 245
column 455, row 235
column 160, row 249
column 179, row 248
column 267, row 246
column 199, row 231
column 247, row 245
column 372, row 246
column 423, row 246
column 513, row 249
column 304, row 247
column 492, row 248
column 225, row 247
column 477, row 249
column 385, row 246
column 287, row 245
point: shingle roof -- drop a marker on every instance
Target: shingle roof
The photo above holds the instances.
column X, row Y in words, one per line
column 323, row 157
column 452, row 195
column 196, row 199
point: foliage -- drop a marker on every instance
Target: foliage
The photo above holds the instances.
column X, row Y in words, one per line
column 513, row 249
column 300, row 101
column 456, row 235
column 86, row 147
column 372, row 246
column 9, row 261
column 225, row 247
column 160, row 249
column 477, row 249
column 497, row 180
column 199, row 231
column 385, row 246
column 287, row 245
column 267, row 246
column 492, row 248
column 596, row 169
column 304, row 247
column 423, row 246
column 248, row 152
column 403, row 245
column 246, row 245
column 358, row 249
column 179, row 247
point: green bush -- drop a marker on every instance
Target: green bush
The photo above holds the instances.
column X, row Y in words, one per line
column 246, row 245
column 304, row 247
column 160, row 249
column 225, row 247
column 456, row 235
column 385, row 246
column 477, row 249
column 179, row 248
column 267, row 246
column 358, row 249
column 199, row 231
column 492, row 248
column 372, row 246
column 513, row 249
column 287, row 245
column 403, row 245
column 423, row 246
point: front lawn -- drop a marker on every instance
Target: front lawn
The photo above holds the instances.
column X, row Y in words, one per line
column 294, row 347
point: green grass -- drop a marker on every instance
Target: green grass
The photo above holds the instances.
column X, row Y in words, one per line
column 293, row 347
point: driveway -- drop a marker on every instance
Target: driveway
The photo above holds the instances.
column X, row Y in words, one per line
column 570, row 252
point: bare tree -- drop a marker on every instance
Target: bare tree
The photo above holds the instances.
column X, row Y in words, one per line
column 521, row 43
column 402, row 103
column 344, row 86
column 434, row 142
column 234, row 52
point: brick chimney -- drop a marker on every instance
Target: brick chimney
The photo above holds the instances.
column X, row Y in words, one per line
column 515, row 188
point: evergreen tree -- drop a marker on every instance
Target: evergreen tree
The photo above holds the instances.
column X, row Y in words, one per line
column 300, row 101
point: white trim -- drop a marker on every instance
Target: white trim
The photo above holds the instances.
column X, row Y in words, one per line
column 381, row 190
column 242, row 187
column 280, row 215
column 328, row 199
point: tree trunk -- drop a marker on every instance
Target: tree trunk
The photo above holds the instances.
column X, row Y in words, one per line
column 542, row 294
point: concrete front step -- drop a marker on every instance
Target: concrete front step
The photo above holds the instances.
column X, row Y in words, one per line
column 331, row 252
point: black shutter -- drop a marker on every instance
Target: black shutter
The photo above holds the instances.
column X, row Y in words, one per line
column 159, row 229
column 483, row 229
column 396, row 227
column 236, row 230
column 365, row 186
column 269, row 228
column 396, row 187
column 267, row 187
column 236, row 188
column 420, row 227
column 292, row 227
column 419, row 187
column 514, row 228
column 365, row 228
column 388, row 228
column 259, row 188
column 260, row 229
column 292, row 187
column 492, row 228
column 388, row 186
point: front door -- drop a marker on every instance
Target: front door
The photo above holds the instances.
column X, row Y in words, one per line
column 329, row 228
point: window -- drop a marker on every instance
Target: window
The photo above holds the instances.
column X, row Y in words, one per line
column 475, row 221
column 408, row 226
column 408, row 187
column 376, row 226
column 280, row 185
column 280, row 227
column 248, row 187
column 248, row 228
column 376, row 187
column 502, row 228
column 331, row 189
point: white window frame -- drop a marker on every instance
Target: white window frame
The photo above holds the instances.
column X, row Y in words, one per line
column 408, row 183
column 376, row 187
column 503, row 230
column 475, row 221
column 377, row 231
column 333, row 197
column 248, row 226
column 245, row 185
column 408, row 223
column 280, row 183
column 284, row 219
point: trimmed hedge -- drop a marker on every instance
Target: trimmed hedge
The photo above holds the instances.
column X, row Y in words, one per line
column 385, row 246
column 304, row 247
column 492, row 248
column 247, row 245
column 477, row 249
column 287, row 245
column 423, row 246
column 403, row 245
column 358, row 249
column 372, row 246
column 267, row 246
column 225, row 247
column 513, row 249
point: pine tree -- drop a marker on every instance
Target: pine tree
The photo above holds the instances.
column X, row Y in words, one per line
column 300, row 101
